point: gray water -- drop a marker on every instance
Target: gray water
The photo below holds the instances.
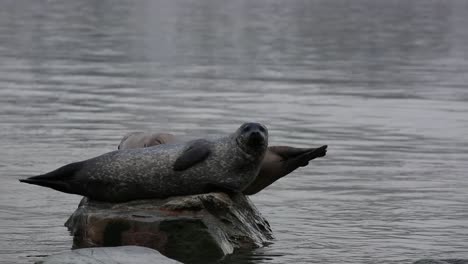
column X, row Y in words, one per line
column 383, row 83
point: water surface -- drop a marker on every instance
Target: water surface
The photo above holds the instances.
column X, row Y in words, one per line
column 383, row 83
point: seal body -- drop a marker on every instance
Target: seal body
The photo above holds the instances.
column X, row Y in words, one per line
column 278, row 161
column 226, row 164
column 143, row 140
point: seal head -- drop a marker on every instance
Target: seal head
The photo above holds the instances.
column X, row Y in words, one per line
column 252, row 138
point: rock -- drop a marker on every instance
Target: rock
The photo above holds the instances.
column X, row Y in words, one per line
column 187, row 228
column 109, row 255
column 441, row 261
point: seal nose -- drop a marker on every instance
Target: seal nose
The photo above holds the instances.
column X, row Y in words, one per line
column 256, row 133
column 256, row 136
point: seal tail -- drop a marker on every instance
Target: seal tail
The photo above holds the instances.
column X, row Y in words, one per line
column 58, row 179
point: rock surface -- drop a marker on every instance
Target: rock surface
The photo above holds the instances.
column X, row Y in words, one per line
column 191, row 229
column 442, row 261
column 109, row 255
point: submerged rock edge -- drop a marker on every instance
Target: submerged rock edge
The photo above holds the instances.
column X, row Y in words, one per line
column 109, row 255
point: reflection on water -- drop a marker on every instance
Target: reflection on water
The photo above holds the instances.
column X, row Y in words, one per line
column 383, row 83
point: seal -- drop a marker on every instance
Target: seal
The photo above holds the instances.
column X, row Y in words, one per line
column 227, row 164
column 143, row 140
column 278, row 162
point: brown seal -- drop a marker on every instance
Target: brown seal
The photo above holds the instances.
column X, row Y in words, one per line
column 278, row 162
column 143, row 140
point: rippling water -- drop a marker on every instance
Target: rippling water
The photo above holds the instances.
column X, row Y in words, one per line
column 383, row 83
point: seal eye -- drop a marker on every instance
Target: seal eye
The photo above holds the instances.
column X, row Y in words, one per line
column 261, row 129
column 246, row 129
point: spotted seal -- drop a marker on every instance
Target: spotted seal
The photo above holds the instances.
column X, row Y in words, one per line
column 278, row 162
column 227, row 164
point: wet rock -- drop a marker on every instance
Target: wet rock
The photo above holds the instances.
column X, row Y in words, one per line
column 442, row 261
column 191, row 229
column 109, row 255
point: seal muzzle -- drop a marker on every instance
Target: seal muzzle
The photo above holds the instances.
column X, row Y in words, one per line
column 255, row 134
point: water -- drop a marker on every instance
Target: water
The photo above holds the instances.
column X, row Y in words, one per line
column 383, row 83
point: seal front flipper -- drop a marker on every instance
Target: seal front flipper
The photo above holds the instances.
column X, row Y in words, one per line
column 59, row 179
column 196, row 152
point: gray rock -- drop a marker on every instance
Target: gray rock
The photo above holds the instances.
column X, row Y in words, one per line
column 187, row 228
column 442, row 261
column 109, row 255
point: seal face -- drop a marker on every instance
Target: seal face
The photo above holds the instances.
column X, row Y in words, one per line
column 225, row 164
column 252, row 137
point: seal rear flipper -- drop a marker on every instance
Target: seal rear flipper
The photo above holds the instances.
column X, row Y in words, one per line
column 197, row 152
column 303, row 160
column 287, row 152
column 59, row 179
column 56, row 185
